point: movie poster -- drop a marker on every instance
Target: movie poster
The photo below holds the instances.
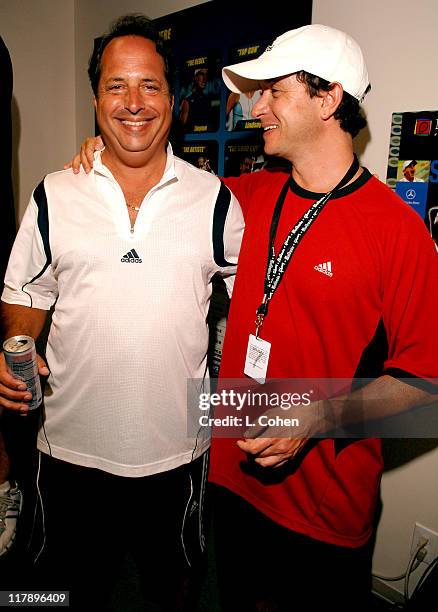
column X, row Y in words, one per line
column 200, row 93
column 202, row 154
column 203, row 39
column 239, row 107
column 244, row 156
column 413, row 164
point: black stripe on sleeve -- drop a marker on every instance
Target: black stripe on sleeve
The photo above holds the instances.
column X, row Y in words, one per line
column 40, row 198
column 220, row 215
column 411, row 379
column 43, row 219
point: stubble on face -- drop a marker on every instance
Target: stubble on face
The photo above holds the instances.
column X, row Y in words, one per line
column 133, row 105
column 289, row 116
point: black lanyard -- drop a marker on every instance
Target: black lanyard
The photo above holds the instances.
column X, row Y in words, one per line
column 276, row 265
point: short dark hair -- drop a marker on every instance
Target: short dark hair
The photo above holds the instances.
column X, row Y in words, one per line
column 130, row 25
column 349, row 113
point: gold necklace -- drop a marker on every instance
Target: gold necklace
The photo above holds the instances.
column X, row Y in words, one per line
column 136, row 208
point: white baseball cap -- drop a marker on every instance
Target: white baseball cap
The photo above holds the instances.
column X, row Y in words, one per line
column 317, row 49
column 408, row 162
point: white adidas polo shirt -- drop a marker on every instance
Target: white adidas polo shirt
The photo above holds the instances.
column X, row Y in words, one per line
column 129, row 326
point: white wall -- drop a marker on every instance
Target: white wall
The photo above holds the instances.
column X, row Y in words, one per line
column 40, row 38
column 399, row 41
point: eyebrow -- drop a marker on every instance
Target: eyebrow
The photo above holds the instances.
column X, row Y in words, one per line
column 123, row 79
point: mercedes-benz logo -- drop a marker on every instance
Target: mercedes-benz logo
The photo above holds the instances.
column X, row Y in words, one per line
column 410, row 194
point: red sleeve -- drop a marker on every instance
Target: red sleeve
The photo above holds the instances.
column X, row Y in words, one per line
column 248, row 187
column 240, row 186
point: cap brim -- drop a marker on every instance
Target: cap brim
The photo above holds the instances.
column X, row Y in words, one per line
column 246, row 76
column 409, row 162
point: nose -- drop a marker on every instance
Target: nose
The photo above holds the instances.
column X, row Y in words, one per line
column 134, row 100
column 261, row 106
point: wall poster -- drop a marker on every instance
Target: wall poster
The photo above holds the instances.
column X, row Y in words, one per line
column 213, row 128
column 413, row 164
column 205, row 38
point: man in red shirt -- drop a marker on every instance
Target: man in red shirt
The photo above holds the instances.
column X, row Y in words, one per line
column 344, row 297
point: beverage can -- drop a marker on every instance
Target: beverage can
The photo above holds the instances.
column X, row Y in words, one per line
column 20, row 356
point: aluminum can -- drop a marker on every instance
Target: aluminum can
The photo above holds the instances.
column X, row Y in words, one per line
column 20, row 356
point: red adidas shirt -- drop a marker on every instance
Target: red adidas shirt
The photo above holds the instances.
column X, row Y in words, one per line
column 366, row 270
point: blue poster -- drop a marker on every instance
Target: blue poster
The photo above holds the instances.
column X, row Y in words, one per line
column 414, row 194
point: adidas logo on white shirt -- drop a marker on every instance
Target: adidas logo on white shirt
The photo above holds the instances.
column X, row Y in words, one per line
column 325, row 268
column 131, row 257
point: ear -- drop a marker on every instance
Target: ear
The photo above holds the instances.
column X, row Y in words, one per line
column 172, row 100
column 330, row 100
column 95, row 103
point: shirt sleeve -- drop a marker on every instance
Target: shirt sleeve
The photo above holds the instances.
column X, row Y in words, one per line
column 410, row 301
column 240, row 186
column 228, row 227
column 29, row 279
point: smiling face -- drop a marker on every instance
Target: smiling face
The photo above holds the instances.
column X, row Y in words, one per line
column 289, row 116
column 133, row 104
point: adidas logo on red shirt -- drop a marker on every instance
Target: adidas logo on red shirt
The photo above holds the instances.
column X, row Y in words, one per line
column 325, row 268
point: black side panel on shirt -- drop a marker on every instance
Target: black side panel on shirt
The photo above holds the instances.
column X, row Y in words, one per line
column 220, row 214
column 370, row 366
column 373, row 357
column 43, row 228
